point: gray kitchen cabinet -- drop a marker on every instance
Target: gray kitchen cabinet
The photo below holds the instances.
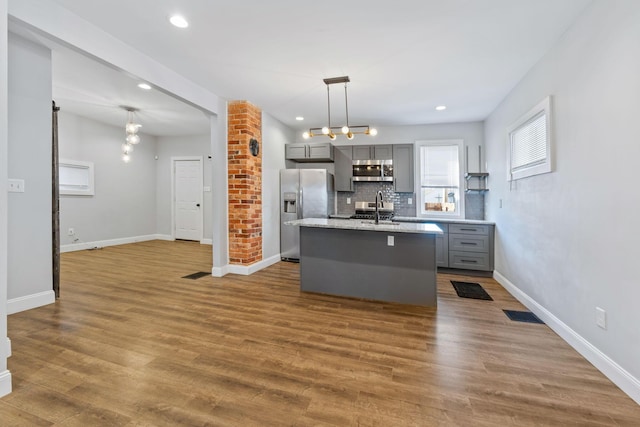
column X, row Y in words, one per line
column 295, row 151
column 372, row 152
column 442, row 246
column 316, row 152
column 362, row 152
column 382, row 152
column 464, row 246
column 403, row 168
column 343, row 168
column 471, row 246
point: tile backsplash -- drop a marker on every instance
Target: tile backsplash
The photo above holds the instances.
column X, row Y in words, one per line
column 366, row 192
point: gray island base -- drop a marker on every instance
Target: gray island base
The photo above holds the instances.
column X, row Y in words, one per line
column 386, row 262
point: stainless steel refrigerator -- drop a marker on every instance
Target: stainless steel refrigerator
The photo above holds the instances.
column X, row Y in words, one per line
column 304, row 193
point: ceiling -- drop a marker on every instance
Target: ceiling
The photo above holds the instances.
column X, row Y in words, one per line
column 404, row 59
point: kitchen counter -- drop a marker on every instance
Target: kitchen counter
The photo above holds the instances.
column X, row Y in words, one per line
column 338, row 216
column 393, row 262
column 414, row 219
column 367, row 225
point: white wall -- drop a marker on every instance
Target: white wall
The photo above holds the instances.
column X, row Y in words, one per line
column 567, row 241
column 124, row 204
column 29, row 237
column 176, row 146
column 274, row 136
column 5, row 375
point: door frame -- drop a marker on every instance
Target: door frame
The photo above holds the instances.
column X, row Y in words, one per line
column 175, row 159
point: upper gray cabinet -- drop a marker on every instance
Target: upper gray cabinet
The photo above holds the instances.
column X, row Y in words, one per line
column 372, row 152
column 403, row 168
column 301, row 152
column 343, row 168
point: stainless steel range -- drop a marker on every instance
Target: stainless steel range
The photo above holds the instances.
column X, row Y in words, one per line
column 367, row 210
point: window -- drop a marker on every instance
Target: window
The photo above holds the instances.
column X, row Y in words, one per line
column 529, row 141
column 76, row 178
column 438, row 170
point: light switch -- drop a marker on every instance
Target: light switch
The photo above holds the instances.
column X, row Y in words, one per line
column 16, row 186
column 601, row 318
column 410, row 201
column 390, row 241
column 348, row 200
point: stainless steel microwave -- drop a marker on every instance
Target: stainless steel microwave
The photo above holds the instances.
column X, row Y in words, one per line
column 373, row 170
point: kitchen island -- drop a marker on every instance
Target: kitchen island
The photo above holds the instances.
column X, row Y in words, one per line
column 388, row 261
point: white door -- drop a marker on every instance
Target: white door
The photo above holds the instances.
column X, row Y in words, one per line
column 188, row 199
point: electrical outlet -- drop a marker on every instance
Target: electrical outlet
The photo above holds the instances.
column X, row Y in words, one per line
column 500, row 203
column 390, row 241
column 601, row 318
column 410, row 201
column 348, row 200
column 16, row 186
column 71, row 232
column 206, row 189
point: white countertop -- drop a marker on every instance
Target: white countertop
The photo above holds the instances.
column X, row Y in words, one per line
column 414, row 219
column 367, row 225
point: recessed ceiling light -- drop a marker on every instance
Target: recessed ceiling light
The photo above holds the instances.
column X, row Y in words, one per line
column 441, row 107
column 179, row 21
column 299, row 118
column 144, row 86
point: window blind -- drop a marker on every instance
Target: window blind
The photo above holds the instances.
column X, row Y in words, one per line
column 439, row 166
column 529, row 143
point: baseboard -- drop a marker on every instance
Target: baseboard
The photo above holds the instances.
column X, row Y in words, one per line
column 246, row 270
column 166, row 237
column 618, row 375
column 206, row 242
column 220, row 271
column 27, row 302
column 5, row 383
column 112, row 242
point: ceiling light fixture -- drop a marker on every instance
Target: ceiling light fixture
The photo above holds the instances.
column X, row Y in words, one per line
column 179, row 21
column 144, row 86
column 131, row 130
column 441, row 107
column 299, row 118
column 348, row 131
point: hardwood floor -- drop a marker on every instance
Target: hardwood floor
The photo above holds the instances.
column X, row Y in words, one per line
column 132, row 343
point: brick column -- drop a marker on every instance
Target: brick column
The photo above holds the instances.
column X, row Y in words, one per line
column 245, row 184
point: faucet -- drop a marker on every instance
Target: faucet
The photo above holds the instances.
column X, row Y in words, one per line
column 379, row 193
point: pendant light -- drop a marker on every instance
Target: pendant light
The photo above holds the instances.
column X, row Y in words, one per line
column 348, row 131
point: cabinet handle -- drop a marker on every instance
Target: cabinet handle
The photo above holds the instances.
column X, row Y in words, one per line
column 469, row 229
column 469, row 243
column 470, row 261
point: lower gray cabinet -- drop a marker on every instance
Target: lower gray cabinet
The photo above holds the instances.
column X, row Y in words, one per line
column 469, row 260
column 442, row 246
column 464, row 246
column 471, row 246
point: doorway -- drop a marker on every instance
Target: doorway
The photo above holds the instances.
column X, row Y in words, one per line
column 187, row 209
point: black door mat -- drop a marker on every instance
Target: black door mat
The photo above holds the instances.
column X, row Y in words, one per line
column 471, row 290
column 197, row 275
column 522, row 316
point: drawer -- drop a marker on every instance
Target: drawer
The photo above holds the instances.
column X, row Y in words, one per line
column 469, row 243
column 469, row 260
column 469, row 229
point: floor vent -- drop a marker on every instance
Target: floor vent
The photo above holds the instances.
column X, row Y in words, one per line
column 197, row 275
column 522, row 316
column 471, row 290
